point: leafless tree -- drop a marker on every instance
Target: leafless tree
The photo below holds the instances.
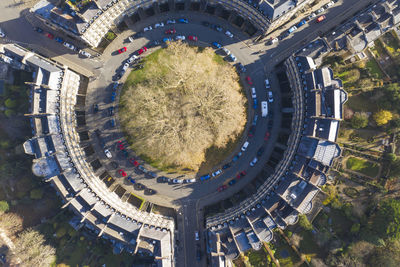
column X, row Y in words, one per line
column 31, row 250
column 185, row 103
column 11, row 223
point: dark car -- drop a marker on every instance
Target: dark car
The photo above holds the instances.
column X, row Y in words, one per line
column 205, row 177
column 222, row 188
column 115, row 86
column 112, row 123
column 149, row 191
column 114, row 164
column 111, row 111
column 232, row 182
column 226, row 166
column 240, row 68
column 113, row 96
column 95, row 108
column 252, row 131
column 260, row 151
column 37, row 29
column 152, row 174
column 59, row 39
column 163, row 179
column 198, row 255
column 205, row 23
column 130, row 179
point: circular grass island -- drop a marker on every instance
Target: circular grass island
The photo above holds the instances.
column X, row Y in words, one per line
column 185, row 110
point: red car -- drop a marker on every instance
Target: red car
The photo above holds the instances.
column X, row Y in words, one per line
column 122, row 50
column 321, row 18
column 122, row 172
column 49, row 35
column 248, row 80
column 192, row 38
column 142, row 50
column 241, row 174
column 222, row 188
column 120, row 145
column 134, row 162
column 170, row 31
column 266, row 137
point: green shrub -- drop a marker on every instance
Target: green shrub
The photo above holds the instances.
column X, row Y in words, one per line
column 305, row 223
column 61, row 232
column 4, row 206
column 36, row 193
column 110, row 36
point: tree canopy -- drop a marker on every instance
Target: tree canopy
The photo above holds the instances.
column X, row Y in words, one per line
column 386, row 222
column 382, row 117
column 182, row 103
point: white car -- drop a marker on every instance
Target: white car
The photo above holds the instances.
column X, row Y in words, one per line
column 2, row 34
column 226, row 51
column 177, row 181
column 253, row 92
column 311, row 16
column 132, row 58
column 253, row 162
column 84, row 53
column 108, row 153
column 130, row 38
column 171, row 21
column 229, row 34
column 190, row 180
column 267, row 85
column 264, row 109
column 149, row 28
column 69, row 46
column 125, row 67
column 216, row 173
column 232, row 57
column 319, row 11
column 245, row 145
column 274, row 40
column 270, row 97
column 158, row 25
column 196, row 235
column 180, row 37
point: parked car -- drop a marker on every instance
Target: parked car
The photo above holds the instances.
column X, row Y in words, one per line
column 216, row 27
column 241, row 68
column 245, row 145
column 125, row 67
column 170, row 31
column 232, row 57
column 142, row 50
column 112, row 123
column 232, row 182
column 226, row 166
column 148, row 28
column 185, row 21
column 95, row 108
column 59, row 40
column 205, row 23
column 252, row 131
column 216, row 173
column 238, row 155
column 255, row 103
column 192, row 38
column 255, row 119
column 266, row 136
column 108, row 153
column 177, row 181
column 130, row 38
column 301, row 23
column 205, row 177
column 249, row 80
column 267, row 84
column 171, row 21
column 260, row 151
column 37, row 29
column 142, row 168
column 49, row 35
column 241, row 174
column 69, row 46
column 216, row 45
column 196, row 235
column 152, row 174
column 319, row 11
column 132, row 58
column 130, row 179
column 190, row 180
column 229, row 34
column 311, row 16
column 122, row 50
column 222, row 188
column 253, row 162
column 320, row 18
column 180, row 37
column 122, row 172
column 226, row 51
column 84, row 53
column 270, row 97
column 253, row 92
column 111, row 111
column 292, row 29
column 134, row 162
column 159, row 25
column 167, row 39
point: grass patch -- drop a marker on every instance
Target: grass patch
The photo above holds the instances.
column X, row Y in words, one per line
column 362, row 166
column 257, row 258
column 219, row 59
column 361, row 102
column 351, row 192
column 374, row 69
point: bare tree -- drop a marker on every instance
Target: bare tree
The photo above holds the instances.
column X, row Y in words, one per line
column 31, row 250
column 11, row 223
column 185, row 103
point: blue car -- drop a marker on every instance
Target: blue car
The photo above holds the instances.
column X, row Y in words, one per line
column 255, row 103
column 216, row 45
column 166, row 39
column 301, row 23
column 130, row 179
column 113, row 95
column 235, row 158
column 205, row 177
column 59, row 39
column 183, row 21
column 115, row 86
column 112, row 123
column 232, row 182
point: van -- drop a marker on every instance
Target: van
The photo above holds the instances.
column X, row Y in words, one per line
column 245, row 145
column 264, row 109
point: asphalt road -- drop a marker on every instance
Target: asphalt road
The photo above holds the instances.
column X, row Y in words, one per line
column 259, row 59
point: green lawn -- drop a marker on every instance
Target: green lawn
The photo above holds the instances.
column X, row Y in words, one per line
column 257, row 258
column 373, row 68
column 362, row 166
column 361, row 102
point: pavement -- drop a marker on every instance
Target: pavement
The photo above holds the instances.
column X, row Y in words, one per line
column 259, row 59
